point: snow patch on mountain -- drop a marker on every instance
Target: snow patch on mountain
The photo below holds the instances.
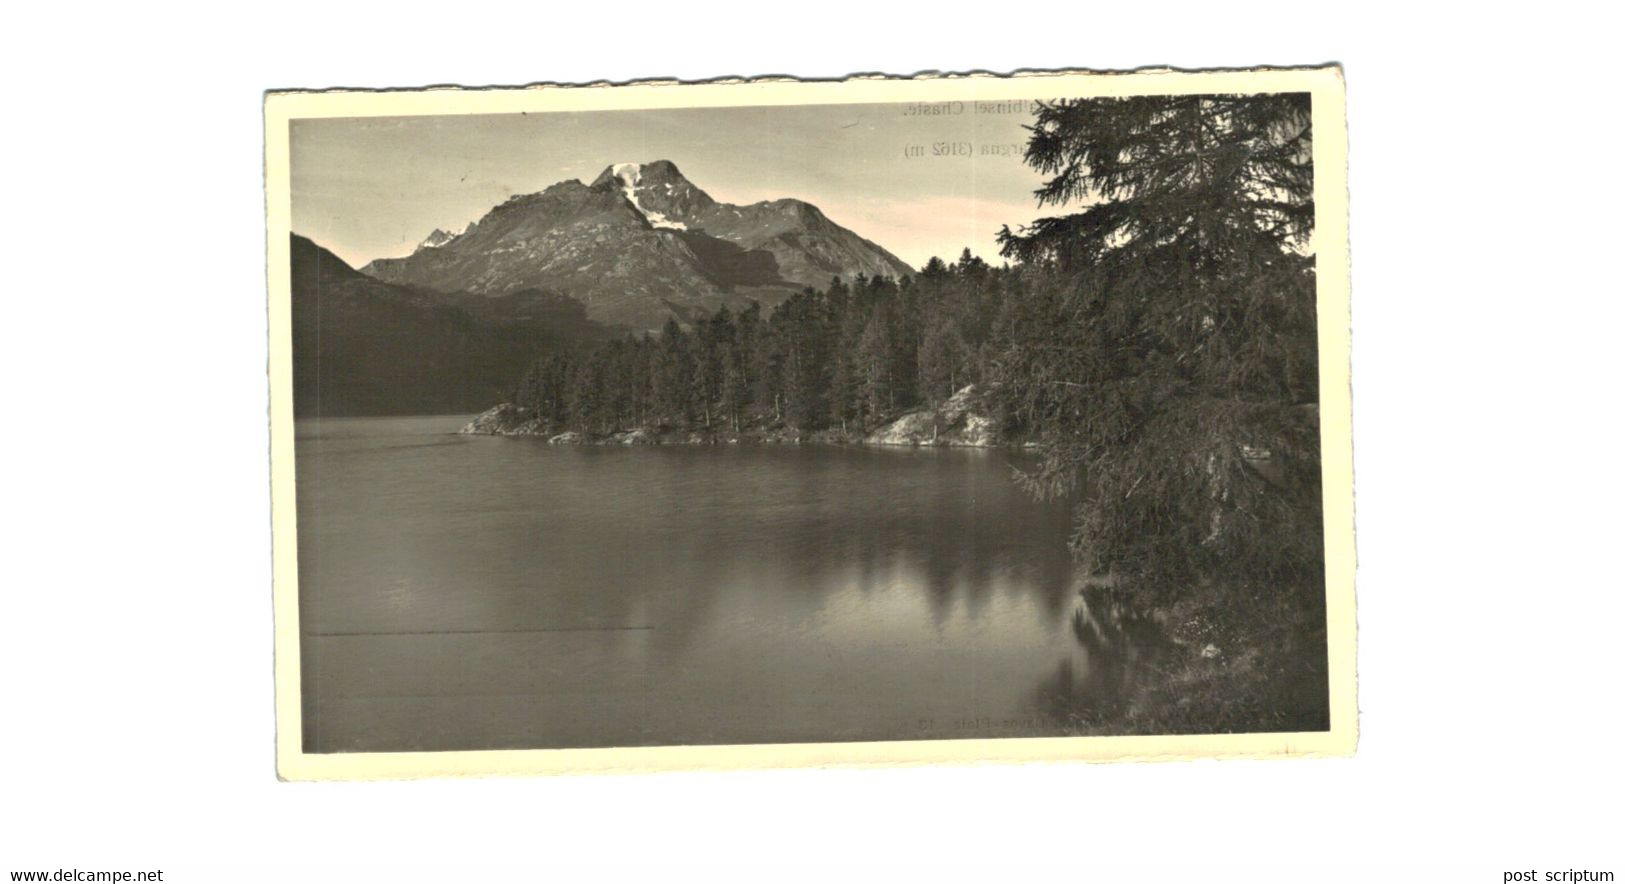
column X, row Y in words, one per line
column 435, row 240
column 629, row 174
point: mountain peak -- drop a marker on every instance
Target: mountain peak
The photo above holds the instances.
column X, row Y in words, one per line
column 642, row 243
column 660, row 172
column 436, row 239
column 634, row 180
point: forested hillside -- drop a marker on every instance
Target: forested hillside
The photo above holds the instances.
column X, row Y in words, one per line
column 845, row 357
column 366, row 347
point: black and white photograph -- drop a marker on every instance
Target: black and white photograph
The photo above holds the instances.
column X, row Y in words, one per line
column 839, row 442
column 805, row 423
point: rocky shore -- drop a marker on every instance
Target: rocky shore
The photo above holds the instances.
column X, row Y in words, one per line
column 955, row 423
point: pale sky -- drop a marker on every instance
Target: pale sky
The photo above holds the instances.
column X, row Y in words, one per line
column 371, row 188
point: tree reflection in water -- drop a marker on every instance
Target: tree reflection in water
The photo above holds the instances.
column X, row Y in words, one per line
column 1122, row 651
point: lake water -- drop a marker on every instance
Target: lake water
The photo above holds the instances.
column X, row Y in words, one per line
column 475, row 592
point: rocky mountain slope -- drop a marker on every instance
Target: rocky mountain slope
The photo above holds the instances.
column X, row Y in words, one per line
column 640, row 244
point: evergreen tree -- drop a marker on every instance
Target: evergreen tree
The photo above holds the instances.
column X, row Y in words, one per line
column 845, row 387
column 801, row 330
column 970, row 266
column 735, row 387
column 586, row 397
column 712, row 341
column 767, row 370
column 944, row 360
column 875, row 359
column 1171, row 361
column 747, row 328
column 671, row 375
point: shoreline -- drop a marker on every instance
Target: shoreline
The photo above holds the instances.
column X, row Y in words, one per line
column 953, row 424
column 752, row 436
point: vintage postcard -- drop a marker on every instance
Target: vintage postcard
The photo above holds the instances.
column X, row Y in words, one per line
column 766, row 423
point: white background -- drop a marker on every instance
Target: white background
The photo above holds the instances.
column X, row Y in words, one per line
column 137, row 705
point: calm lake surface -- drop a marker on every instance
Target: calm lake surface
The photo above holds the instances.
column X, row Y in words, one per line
column 475, row 592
